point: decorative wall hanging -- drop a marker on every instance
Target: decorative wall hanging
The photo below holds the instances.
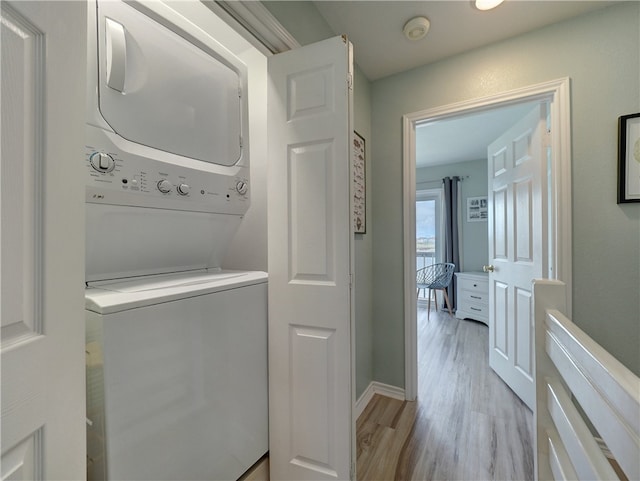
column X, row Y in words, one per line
column 359, row 185
column 629, row 158
column 477, row 209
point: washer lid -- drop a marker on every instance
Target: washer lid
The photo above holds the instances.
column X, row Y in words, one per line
column 106, row 297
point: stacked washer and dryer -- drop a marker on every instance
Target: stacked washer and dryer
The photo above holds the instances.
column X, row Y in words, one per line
column 176, row 346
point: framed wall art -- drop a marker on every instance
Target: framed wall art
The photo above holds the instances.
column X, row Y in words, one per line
column 629, row 158
column 359, row 185
column 477, row 210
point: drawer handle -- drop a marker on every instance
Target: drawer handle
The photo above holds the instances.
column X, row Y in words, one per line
column 476, row 297
column 474, row 309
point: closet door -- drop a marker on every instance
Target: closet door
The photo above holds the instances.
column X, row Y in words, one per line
column 42, row 240
column 310, row 262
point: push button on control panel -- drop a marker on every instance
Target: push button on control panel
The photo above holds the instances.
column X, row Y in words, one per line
column 102, row 162
column 183, row 189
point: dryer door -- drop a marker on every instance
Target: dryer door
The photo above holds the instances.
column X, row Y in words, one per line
column 176, row 92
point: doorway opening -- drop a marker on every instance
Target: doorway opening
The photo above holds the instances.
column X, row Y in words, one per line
column 557, row 177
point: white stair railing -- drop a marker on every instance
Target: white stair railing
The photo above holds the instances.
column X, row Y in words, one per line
column 585, row 399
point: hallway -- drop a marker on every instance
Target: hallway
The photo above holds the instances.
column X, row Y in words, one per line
column 466, row 424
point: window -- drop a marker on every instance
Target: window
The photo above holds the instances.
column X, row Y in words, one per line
column 428, row 227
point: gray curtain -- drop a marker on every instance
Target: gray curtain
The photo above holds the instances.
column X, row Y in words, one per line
column 451, row 234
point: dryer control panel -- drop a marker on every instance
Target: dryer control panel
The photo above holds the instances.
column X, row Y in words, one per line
column 116, row 177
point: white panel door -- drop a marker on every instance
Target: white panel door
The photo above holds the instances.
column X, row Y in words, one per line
column 42, row 240
column 310, row 262
column 516, row 164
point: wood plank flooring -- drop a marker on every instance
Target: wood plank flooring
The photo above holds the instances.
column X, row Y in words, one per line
column 466, row 424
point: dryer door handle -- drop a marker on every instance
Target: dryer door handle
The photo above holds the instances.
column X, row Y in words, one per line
column 116, row 54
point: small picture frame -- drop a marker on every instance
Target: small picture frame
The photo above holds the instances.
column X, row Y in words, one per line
column 629, row 158
column 359, row 185
column 477, row 209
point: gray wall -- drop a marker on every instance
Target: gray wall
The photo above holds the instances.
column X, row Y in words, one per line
column 474, row 235
column 600, row 53
column 364, row 245
column 312, row 29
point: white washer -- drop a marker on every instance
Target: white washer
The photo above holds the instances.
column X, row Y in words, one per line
column 177, row 376
column 176, row 347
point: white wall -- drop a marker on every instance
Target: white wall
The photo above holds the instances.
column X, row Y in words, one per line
column 600, row 52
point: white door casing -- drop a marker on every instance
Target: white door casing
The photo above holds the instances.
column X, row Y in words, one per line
column 310, row 262
column 517, row 247
column 557, row 92
column 42, row 240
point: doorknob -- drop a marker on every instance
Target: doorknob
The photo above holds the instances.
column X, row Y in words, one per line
column 488, row 268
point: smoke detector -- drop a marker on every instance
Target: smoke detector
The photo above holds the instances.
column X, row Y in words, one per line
column 416, row 28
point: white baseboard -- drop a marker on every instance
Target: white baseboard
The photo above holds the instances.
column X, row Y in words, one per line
column 377, row 388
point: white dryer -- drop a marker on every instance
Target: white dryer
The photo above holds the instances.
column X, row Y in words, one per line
column 177, row 376
column 176, row 346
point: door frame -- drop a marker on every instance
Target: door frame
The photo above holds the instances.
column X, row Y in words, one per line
column 557, row 92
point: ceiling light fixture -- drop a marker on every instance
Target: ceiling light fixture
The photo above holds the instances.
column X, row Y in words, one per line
column 487, row 4
column 416, row 28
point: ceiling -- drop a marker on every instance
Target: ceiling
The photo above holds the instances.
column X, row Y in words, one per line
column 380, row 49
column 375, row 27
column 464, row 138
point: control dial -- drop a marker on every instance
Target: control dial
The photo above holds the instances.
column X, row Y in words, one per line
column 165, row 186
column 102, row 162
column 242, row 187
column 183, row 189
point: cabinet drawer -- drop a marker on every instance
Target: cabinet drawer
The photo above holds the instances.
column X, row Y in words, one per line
column 480, row 297
column 473, row 311
column 473, row 285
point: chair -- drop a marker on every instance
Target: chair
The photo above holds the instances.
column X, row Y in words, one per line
column 435, row 277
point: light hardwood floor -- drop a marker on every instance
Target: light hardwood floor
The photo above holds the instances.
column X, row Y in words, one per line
column 466, row 424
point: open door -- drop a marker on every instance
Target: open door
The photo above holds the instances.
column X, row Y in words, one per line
column 42, row 240
column 517, row 248
column 310, row 262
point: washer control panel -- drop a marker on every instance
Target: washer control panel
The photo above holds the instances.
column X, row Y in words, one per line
column 127, row 179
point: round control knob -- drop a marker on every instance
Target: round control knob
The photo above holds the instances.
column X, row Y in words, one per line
column 102, row 162
column 183, row 189
column 165, row 186
column 242, row 187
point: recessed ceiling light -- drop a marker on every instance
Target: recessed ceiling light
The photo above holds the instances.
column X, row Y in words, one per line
column 487, row 4
column 416, row 28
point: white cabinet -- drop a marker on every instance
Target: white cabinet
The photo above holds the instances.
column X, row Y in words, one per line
column 472, row 296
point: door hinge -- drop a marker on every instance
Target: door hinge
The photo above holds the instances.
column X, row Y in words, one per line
column 350, row 81
column 546, row 138
column 350, row 281
column 239, row 92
